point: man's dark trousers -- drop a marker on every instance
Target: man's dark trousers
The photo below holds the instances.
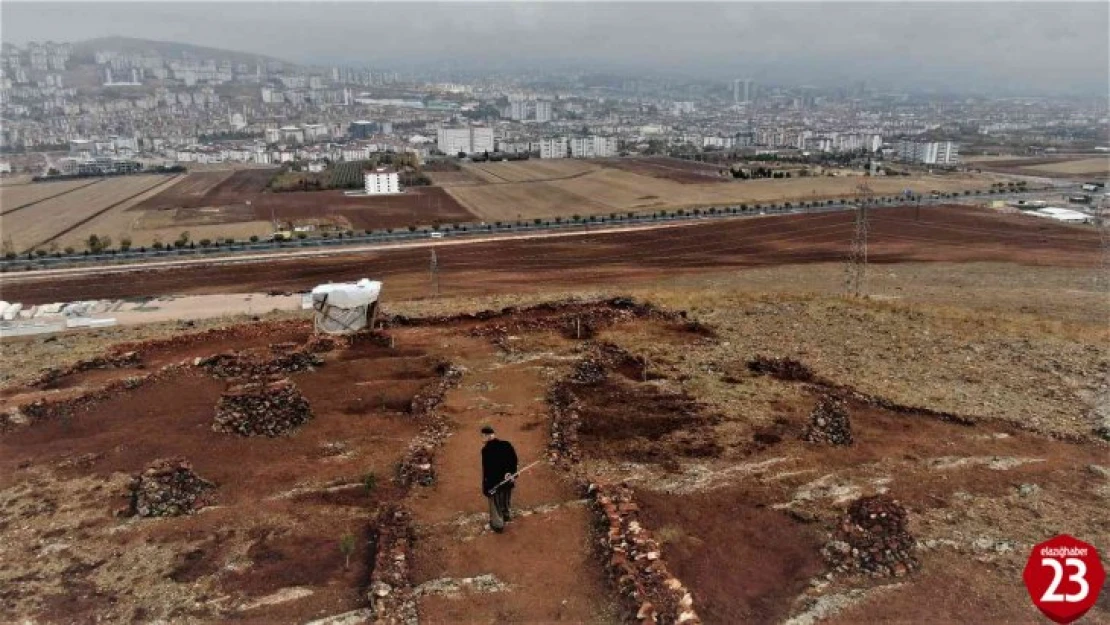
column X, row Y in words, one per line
column 499, row 504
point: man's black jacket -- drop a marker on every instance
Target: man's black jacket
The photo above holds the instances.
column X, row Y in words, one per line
column 498, row 458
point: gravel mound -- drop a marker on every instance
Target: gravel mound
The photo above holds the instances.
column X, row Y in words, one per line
column 829, row 423
column 782, row 368
column 273, row 408
column 873, row 538
column 169, row 487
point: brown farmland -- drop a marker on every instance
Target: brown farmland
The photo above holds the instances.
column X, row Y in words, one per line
column 518, row 191
column 51, row 220
column 897, row 235
column 676, row 169
column 209, row 198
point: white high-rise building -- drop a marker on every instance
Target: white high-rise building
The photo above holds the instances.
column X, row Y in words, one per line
column 553, row 147
column 593, row 147
column 543, row 111
column 470, row 140
column 518, row 108
column 743, row 90
column 381, row 181
column 929, row 152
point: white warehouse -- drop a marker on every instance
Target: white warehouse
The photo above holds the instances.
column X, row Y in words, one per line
column 381, row 181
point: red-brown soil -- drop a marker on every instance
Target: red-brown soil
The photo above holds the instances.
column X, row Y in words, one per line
column 896, row 235
column 678, row 170
column 211, row 189
column 418, row 206
column 744, row 562
column 282, row 504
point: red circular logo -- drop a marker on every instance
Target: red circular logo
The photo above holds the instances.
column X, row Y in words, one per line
column 1064, row 576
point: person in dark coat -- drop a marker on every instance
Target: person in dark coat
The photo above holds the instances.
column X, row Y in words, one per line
column 499, row 463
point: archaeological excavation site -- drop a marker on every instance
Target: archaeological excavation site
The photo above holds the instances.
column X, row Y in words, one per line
column 694, row 466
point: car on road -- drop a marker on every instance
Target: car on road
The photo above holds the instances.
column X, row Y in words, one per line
column 436, row 235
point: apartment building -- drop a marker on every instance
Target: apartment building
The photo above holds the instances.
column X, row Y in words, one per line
column 593, row 147
column 470, row 140
column 381, row 181
column 928, row 152
column 553, row 147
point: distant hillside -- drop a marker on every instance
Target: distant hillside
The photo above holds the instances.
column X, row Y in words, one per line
column 171, row 49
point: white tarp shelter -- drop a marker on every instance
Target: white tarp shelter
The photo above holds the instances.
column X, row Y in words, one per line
column 345, row 307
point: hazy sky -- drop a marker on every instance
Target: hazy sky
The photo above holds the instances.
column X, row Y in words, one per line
column 1019, row 47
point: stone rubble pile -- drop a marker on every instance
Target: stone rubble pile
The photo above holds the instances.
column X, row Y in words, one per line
column 782, row 368
column 120, row 360
column 566, row 420
column 829, row 423
column 872, row 538
column 243, row 365
column 391, row 594
column 169, row 487
column 428, row 398
column 649, row 593
column 416, row 466
column 262, row 408
column 588, row 371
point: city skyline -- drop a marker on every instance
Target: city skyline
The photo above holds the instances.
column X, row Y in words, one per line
column 1037, row 49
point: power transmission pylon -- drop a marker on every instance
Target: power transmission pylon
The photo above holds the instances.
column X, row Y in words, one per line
column 434, row 269
column 856, row 268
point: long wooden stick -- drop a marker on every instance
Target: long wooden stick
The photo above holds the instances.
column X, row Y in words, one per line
column 512, row 477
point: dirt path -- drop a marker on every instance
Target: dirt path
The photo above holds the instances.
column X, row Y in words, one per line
column 541, row 568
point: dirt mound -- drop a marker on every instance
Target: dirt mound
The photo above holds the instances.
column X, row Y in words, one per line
column 272, row 408
column 244, row 365
column 782, row 368
column 169, row 487
column 829, row 423
column 123, row 360
column 574, row 319
column 872, row 538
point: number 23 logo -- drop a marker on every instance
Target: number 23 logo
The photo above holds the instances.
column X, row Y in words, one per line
column 1079, row 577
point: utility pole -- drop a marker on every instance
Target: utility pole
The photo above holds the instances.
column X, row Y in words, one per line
column 1103, row 225
column 856, row 268
column 434, row 269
